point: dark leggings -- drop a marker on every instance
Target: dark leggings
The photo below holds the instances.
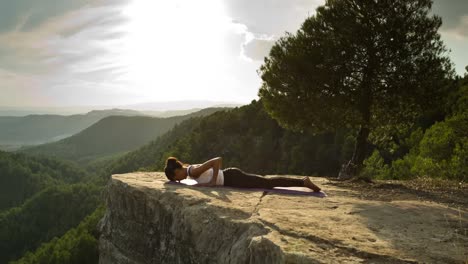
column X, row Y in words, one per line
column 235, row 177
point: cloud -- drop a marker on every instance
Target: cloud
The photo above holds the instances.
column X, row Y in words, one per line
column 258, row 48
column 99, row 52
column 459, row 31
column 62, row 56
column 267, row 20
column 264, row 21
column 73, row 36
column 271, row 17
column 451, row 12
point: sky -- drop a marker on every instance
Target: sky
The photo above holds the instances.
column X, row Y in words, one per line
column 114, row 52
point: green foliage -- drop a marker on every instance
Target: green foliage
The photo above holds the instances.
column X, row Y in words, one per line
column 374, row 167
column 22, row 176
column 41, row 198
column 459, row 99
column 441, row 153
column 413, row 141
column 458, row 164
column 49, row 213
column 438, row 141
column 78, row 245
column 401, row 168
column 438, row 151
column 353, row 59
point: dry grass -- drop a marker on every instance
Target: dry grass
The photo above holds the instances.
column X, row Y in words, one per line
column 434, row 184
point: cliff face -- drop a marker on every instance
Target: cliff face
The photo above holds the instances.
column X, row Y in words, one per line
column 149, row 221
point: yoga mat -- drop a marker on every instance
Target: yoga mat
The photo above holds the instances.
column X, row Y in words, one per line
column 282, row 190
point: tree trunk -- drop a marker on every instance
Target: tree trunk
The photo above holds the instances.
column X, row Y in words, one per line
column 355, row 165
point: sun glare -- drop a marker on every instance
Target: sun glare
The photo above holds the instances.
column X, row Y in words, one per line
column 174, row 44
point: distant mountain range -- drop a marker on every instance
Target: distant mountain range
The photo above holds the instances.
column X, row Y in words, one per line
column 39, row 129
column 179, row 105
column 163, row 108
column 110, row 136
column 35, row 129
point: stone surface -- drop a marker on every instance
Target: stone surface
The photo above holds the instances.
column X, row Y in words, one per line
column 150, row 221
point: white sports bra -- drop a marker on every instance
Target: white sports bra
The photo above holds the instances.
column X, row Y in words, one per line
column 207, row 175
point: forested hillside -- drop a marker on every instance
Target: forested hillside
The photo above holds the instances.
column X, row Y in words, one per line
column 41, row 198
column 47, row 214
column 245, row 137
column 77, row 245
column 22, row 176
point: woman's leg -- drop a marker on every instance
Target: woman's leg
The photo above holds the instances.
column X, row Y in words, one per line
column 235, row 177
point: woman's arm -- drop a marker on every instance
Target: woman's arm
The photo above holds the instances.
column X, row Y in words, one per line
column 214, row 163
column 216, row 167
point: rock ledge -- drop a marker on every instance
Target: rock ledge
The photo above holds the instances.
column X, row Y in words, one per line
column 150, row 221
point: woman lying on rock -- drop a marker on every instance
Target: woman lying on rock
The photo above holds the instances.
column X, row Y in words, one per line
column 203, row 173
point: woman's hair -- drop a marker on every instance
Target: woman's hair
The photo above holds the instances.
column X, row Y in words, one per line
column 172, row 164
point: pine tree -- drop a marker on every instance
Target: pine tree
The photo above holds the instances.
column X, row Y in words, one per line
column 369, row 65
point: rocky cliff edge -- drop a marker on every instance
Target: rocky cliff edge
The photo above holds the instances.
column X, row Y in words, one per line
column 150, row 221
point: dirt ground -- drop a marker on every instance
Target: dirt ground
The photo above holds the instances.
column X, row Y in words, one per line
column 418, row 221
column 450, row 193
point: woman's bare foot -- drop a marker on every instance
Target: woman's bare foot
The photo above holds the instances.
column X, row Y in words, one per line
column 308, row 183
